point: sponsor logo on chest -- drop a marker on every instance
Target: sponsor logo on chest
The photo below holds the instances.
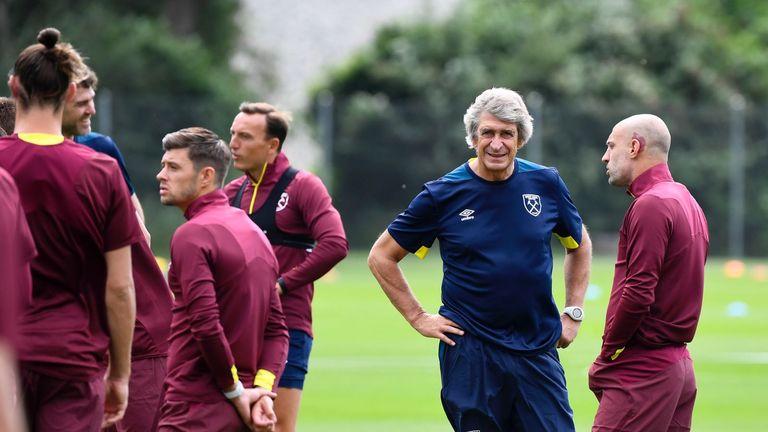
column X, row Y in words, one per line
column 466, row 214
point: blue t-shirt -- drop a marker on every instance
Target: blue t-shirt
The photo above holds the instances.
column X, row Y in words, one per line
column 494, row 240
column 104, row 144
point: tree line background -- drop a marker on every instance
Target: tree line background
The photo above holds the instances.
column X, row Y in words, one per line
column 398, row 103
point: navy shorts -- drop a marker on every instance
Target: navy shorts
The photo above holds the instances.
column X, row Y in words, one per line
column 298, row 360
column 489, row 388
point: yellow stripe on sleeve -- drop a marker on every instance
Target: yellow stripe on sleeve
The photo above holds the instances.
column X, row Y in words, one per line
column 234, row 373
column 422, row 252
column 264, row 379
column 568, row 242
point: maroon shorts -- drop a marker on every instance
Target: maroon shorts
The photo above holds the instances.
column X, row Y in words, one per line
column 660, row 402
column 52, row 404
column 177, row 416
column 144, row 397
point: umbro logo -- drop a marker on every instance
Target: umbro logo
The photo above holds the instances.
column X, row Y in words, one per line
column 466, row 214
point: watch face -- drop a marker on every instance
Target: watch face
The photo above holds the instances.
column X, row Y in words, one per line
column 577, row 313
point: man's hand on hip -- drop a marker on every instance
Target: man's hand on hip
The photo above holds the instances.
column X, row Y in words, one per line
column 436, row 326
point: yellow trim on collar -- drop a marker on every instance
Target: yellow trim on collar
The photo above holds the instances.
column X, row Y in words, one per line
column 41, row 139
column 256, row 187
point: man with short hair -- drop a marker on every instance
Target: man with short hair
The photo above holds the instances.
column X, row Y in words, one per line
column 149, row 352
column 76, row 125
column 295, row 211
column 228, row 335
column 643, row 376
column 498, row 326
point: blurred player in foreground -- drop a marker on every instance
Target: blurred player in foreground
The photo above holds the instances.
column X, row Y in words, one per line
column 81, row 218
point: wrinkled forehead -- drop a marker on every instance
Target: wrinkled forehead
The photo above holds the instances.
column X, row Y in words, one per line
column 490, row 121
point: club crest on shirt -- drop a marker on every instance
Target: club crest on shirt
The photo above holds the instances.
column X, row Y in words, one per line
column 532, row 204
column 283, row 202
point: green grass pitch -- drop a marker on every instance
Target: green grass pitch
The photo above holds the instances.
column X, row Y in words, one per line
column 371, row 372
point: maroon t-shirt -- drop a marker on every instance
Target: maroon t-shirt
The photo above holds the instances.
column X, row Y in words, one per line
column 658, row 284
column 17, row 248
column 153, row 305
column 153, row 297
column 306, row 210
column 226, row 311
column 77, row 208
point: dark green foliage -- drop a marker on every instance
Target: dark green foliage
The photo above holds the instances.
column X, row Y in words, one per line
column 166, row 64
column 399, row 103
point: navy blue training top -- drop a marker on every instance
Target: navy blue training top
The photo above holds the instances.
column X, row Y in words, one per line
column 494, row 240
column 104, row 144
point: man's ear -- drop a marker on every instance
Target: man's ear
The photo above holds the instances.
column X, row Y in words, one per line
column 274, row 145
column 207, row 176
column 635, row 147
column 13, row 84
column 71, row 91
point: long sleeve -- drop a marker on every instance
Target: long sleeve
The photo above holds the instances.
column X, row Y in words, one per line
column 325, row 225
column 275, row 350
column 648, row 228
column 190, row 254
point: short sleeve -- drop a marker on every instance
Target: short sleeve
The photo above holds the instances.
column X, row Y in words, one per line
column 104, row 192
column 416, row 228
column 568, row 228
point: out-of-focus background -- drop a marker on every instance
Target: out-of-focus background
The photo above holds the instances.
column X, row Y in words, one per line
column 378, row 90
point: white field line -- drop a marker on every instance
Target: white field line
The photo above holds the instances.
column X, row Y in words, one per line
column 733, row 357
column 373, row 362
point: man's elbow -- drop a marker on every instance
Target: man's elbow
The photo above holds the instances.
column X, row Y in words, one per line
column 122, row 290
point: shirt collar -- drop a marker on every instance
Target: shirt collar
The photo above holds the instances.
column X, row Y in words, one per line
column 273, row 172
column 649, row 178
column 212, row 199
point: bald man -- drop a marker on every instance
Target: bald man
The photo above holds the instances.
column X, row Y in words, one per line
column 643, row 377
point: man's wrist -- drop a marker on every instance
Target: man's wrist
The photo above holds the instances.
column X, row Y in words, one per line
column 576, row 313
column 232, row 394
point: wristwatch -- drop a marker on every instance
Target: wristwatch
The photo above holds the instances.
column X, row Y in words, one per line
column 236, row 392
column 576, row 313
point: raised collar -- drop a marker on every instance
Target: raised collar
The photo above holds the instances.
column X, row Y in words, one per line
column 649, row 178
column 273, row 172
column 211, row 199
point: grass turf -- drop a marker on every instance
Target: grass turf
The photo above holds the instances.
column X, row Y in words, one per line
column 371, row 372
